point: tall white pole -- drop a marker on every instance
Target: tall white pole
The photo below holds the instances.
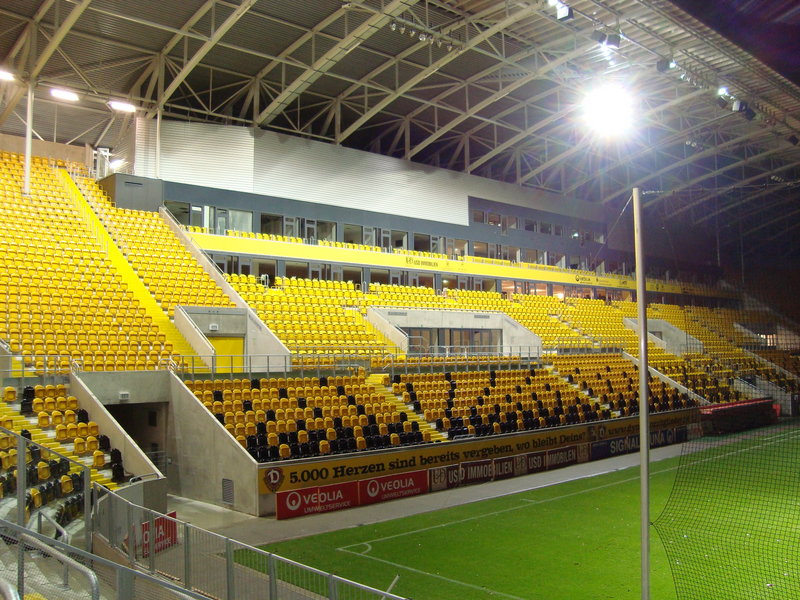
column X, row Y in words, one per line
column 644, row 395
column 158, row 143
column 26, row 182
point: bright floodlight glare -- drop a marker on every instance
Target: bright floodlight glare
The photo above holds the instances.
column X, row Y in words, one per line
column 116, row 163
column 64, row 95
column 6, row 75
column 608, row 110
column 121, row 106
column 723, row 91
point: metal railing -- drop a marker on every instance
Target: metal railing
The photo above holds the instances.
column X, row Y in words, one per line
column 211, row 564
column 58, row 571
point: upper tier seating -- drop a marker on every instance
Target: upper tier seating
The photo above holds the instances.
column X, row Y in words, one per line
column 63, row 296
column 165, row 265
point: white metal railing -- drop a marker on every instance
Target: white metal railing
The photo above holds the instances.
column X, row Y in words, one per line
column 211, row 564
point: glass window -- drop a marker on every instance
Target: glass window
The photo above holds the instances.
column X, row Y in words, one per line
column 510, row 222
column 494, row 219
column 545, row 228
column 240, row 220
column 599, row 237
column 478, row 216
column 531, row 225
column 179, row 210
column 558, row 230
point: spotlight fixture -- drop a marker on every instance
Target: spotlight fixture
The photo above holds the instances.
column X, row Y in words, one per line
column 439, row 43
column 121, row 106
column 665, row 64
column 749, row 113
column 422, row 37
column 722, row 91
column 564, row 12
column 393, row 26
column 739, row 106
column 6, row 75
column 613, row 40
column 412, row 33
column 116, row 164
column 61, row 94
column 402, row 29
column 792, row 139
column 449, row 47
column 598, row 36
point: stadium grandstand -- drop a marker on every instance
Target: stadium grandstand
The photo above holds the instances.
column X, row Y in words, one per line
column 275, row 269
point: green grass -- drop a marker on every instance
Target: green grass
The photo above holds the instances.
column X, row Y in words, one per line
column 576, row 540
column 580, row 540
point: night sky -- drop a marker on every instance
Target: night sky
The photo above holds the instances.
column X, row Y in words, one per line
column 768, row 29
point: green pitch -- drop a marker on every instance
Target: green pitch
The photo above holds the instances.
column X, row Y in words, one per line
column 573, row 541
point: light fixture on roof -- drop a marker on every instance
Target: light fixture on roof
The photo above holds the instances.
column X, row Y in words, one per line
column 722, row 91
column 393, row 26
column 665, row 64
column 62, row 94
column 609, row 110
column 6, row 75
column 116, row 164
column 422, row 36
column 121, row 106
column 598, row 36
column 402, row 29
column 613, row 40
column 564, row 12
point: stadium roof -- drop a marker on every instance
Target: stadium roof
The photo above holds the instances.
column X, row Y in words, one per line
column 489, row 87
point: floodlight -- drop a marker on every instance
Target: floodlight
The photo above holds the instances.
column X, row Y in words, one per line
column 564, row 12
column 613, row 40
column 67, row 95
column 116, row 164
column 121, row 106
column 749, row 113
column 393, row 26
column 6, row 75
column 664, row 65
column 598, row 36
column 608, row 110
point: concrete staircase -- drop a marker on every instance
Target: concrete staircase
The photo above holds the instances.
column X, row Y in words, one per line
column 380, row 382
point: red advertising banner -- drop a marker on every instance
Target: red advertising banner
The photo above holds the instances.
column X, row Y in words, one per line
column 392, row 487
column 504, row 467
column 166, row 534
column 562, row 457
column 536, row 461
column 316, row 500
column 476, row 471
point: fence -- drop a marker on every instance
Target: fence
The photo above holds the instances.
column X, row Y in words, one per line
column 211, row 564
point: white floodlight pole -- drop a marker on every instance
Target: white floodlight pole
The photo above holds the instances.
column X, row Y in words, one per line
column 26, row 182
column 644, row 395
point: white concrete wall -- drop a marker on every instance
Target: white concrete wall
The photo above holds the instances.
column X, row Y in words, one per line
column 517, row 339
column 273, row 164
column 385, row 326
column 675, row 340
column 192, row 334
column 92, row 388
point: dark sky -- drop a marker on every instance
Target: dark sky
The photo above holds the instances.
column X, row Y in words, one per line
column 768, row 29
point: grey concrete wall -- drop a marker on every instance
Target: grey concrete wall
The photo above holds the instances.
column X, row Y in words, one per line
column 393, row 334
column 266, row 351
column 203, row 454
column 193, row 334
column 674, row 340
column 89, row 389
column 515, row 335
column 230, row 322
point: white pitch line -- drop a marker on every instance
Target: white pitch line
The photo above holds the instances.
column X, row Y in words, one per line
column 529, row 502
column 442, row 577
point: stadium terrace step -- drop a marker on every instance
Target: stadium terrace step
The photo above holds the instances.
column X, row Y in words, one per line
column 379, row 381
column 130, row 277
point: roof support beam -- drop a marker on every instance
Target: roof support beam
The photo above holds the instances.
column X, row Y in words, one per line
column 42, row 59
column 29, row 27
column 501, row 93
column 219, row 33
column 430, row 70
column 325, row 62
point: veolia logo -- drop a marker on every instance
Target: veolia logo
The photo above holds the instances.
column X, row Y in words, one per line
column 293, row 501
column 373, row 488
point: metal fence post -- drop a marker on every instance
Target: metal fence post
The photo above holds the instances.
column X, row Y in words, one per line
column 332, row 587
column 229, row 571
column 187, row 556
column 151, row 542
column 87, row 508
column 131, row 538
column 273, row 577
